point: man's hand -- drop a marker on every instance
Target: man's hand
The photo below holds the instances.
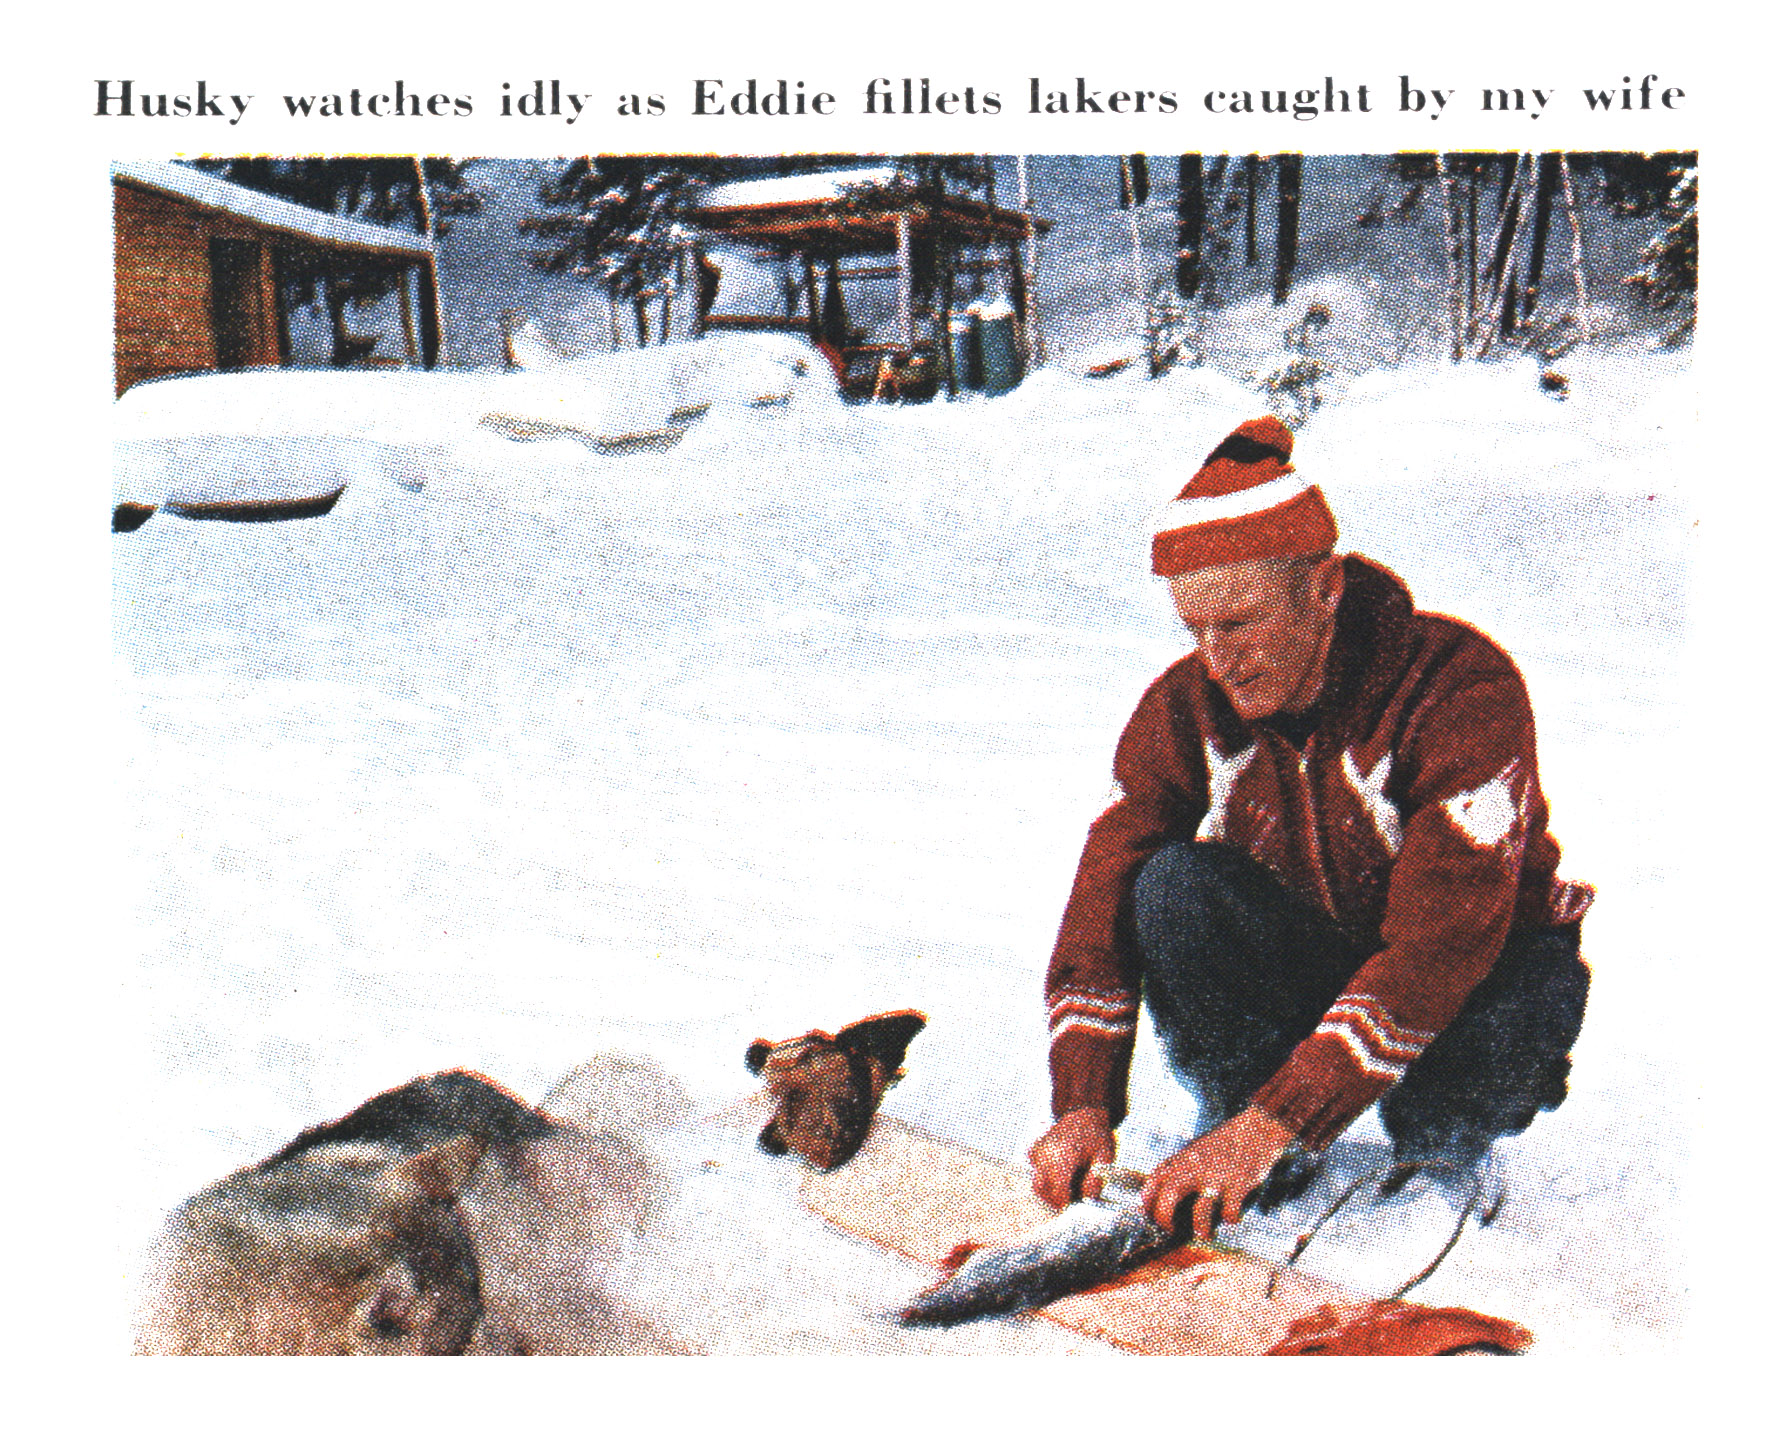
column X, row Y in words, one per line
column 1216, row 1171
column 1060, row 1160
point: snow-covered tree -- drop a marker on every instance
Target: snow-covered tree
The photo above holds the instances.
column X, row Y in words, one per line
column 619, row 221
column 1669, row 275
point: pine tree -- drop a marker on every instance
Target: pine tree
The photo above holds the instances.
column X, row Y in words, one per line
column 619, row 220
column 1670, row 272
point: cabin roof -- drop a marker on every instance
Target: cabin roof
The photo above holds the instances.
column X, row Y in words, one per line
column 274, row 213
column 809, row 189
column 815, row 213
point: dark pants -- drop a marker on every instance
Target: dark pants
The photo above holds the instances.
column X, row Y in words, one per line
column 1237, row 972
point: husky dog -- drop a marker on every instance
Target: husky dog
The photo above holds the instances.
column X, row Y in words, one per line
column 443, row 1217
column 827, row 1086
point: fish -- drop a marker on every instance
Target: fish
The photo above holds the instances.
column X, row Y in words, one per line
column 1089, row 1243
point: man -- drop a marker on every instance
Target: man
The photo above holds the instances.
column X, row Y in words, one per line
column 1327, row 869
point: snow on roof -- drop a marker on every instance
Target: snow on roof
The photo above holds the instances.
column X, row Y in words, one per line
column 784, row 191
column 205, row 190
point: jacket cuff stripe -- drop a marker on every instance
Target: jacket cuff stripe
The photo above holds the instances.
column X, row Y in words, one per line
column 1099, row 1027
column 1369, row 1063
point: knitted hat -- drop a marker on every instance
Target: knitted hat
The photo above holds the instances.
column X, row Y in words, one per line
column 1245, row 503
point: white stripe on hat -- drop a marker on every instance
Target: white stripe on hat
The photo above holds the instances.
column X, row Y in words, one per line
column 1184, row 513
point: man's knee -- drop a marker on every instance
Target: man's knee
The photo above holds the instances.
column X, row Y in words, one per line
column 1183, row 880
column 1503, row 1059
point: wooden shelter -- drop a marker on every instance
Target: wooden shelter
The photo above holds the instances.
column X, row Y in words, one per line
column 829, row 220
column 200, row 268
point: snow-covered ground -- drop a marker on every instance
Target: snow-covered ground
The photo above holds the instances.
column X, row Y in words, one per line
column 805, row 717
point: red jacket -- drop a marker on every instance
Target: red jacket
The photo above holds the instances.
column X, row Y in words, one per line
column 1412, row 817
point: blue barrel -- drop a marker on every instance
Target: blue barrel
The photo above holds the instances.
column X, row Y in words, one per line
column 997, row 345
column 966, row 354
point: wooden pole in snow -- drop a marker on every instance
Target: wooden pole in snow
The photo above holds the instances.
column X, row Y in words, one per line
column 1581, row 285
column 408, row 334
column 426, row 226
column 904, row 280
column 1034, row 334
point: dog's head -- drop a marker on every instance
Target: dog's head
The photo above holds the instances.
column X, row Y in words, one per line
column 827, row 1086
column 341, row 1249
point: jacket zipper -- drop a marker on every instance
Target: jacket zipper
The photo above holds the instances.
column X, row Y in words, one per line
column 1315, row 832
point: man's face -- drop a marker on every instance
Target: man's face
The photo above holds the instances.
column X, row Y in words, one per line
column 1262, row 628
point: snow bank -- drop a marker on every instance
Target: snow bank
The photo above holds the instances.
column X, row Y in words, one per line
column 805, row 718
column 274, row 434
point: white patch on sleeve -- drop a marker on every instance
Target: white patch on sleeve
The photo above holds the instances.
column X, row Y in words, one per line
column 1370, row 791
column 1224, row 770
column 1487, row 814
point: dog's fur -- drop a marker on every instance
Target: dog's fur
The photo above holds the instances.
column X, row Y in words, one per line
column 827, row 1086
column 443, row 1217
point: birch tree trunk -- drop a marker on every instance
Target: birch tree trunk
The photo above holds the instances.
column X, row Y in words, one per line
column 1575, row 246
column 1548, row 182
column 1453, row 254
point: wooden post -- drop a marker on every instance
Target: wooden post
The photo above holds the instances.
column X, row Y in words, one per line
column 904, row 280
column 413, row 345
column 1034, row 335
column 437, row 328
column 1453, row 251
column 813, row 304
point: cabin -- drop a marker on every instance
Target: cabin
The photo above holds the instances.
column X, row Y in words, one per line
column 845, row 228
column 201, row 265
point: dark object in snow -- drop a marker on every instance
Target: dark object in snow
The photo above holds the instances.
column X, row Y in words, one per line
column 522, row 429
column 828, row 1086
column 127, row 518
column 256, row 511
column 1087, row 1244
column 1554, row 383
column 1107, row 370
